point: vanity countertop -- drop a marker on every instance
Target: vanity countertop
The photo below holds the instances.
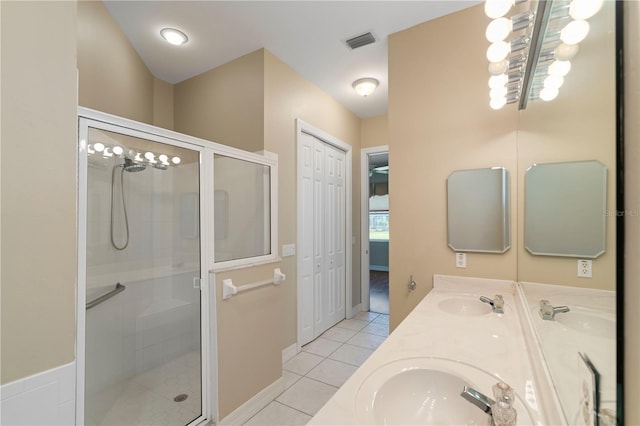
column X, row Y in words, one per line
column 440, row 328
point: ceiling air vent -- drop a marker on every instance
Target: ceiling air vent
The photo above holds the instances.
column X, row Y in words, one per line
column 361, row 40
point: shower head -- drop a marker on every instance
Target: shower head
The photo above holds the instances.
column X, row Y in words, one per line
column 131, row 166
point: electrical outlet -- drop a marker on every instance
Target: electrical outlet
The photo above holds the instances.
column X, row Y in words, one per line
column 461, row 260
column 288, row 250
column 584, row 268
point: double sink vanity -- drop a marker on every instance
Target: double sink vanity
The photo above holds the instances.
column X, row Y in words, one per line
column 453, row 340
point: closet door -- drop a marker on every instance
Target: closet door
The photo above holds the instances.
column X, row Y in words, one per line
column 334, row 237
column 323, row 237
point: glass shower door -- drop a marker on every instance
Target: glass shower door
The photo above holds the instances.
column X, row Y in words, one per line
column 143, row 310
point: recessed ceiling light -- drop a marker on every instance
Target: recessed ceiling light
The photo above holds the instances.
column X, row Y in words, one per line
column 173, row 36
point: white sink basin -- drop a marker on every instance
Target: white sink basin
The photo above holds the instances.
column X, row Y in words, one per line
column 425, row 391
column 585, row 321
column 465, row 306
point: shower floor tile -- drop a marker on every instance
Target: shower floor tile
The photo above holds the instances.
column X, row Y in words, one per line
column 148, row 398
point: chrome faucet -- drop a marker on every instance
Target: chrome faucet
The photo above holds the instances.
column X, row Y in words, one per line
column 497, row 303
column 548, row 311
column 478, row 399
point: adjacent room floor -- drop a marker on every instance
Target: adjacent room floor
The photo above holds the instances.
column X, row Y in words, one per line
column 315, row 374
column 379, row 292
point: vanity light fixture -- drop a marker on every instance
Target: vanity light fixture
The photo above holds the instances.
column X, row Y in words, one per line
column 365, row 86
column 142, row 157
column 174, row 36
column 534, row 62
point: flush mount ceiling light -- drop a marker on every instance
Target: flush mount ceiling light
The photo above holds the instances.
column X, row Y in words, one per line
column 365, row 86
column 173, row 36
column 529, row 52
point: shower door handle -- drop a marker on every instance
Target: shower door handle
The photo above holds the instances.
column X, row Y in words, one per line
column 98, row 300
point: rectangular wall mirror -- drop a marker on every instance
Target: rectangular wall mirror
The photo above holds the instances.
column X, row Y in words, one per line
column 565, row 209
column 478, row 214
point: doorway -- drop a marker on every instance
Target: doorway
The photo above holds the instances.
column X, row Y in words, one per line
column 324, row 229
column 375, row 229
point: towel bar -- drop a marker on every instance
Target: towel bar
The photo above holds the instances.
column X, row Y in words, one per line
column 229, row 289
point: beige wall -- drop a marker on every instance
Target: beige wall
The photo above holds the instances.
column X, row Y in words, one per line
column 113, row 78
column 440, row 121
column 374, row 131
column 39, row 100
column 289, row 96
column 579, row 125
column 162, row 104
column 225, row 104
column 249, row 331
column 632, row 204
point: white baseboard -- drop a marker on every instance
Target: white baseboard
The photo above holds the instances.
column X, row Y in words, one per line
column 355, row 310
column 250, row 408
column 46, row 398
column 289, row 352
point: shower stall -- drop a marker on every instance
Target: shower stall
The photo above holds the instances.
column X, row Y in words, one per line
column 158, row 211
column 143, row 307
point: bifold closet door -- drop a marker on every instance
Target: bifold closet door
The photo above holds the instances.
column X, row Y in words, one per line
column 323, row 237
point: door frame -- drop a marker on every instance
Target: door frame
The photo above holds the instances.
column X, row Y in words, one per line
column 303, row 127
column 365, row 260
column 208, row 318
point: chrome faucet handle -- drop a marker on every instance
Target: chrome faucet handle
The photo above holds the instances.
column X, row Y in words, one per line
column 497, row 303
column 548, row 311
column 478, row 399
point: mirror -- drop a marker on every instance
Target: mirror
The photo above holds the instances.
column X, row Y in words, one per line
column 565, row 209
column 589, row 327
column 579, row 125
column 478, row 214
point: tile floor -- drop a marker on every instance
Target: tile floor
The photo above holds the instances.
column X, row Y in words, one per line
column 315, row 374
column 148, row 398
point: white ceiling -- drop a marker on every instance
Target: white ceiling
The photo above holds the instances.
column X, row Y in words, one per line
column 307, row 35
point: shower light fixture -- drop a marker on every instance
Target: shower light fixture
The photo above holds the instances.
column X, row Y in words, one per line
column 365, row 86
column 174, row 36
column 546, row 44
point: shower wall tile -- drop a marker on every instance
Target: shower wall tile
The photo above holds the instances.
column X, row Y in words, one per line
column 47, row 398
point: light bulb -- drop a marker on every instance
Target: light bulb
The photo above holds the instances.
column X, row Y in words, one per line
column 149, row 155
column 107, row 152
column 173, row 36
column 574, row 32
column 498, row 81
column 497, row 8
column 175, row 160
column 164, row 159
column 584, row 9
column 560, row 68
column 497, row 68
column 497, row 103
column 118, row 150
column 548, row 94
column 498, row 29
column 138, row 157
column 99, row 147
column 553, row 82
column 498, row 92
column 564, row 52
column 498, row 51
